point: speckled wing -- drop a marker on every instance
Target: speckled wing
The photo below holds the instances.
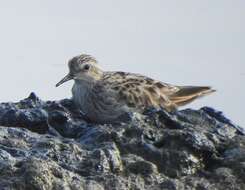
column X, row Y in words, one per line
column 137, row 91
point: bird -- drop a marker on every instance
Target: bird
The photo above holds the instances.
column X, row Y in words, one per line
column 105, row 96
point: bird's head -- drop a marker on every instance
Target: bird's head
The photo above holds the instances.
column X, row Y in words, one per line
column 82, row 68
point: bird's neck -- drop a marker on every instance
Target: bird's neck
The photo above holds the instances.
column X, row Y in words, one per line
column 85, row 84
column 82, row 88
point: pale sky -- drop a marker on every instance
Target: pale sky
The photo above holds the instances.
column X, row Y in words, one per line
column 192, row 42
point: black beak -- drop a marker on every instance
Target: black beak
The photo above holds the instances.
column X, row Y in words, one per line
column 65, row 79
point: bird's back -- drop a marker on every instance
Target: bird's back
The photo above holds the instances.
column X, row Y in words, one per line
column 138, row 91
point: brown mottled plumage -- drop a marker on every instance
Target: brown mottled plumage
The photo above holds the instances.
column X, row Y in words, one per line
column 104, row 96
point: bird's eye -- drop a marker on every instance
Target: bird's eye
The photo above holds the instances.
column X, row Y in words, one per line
column 86, row 67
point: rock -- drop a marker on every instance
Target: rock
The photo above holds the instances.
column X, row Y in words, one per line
column 50, row 145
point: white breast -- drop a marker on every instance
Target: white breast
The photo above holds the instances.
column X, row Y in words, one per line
column 100, row 109
column 80, row 93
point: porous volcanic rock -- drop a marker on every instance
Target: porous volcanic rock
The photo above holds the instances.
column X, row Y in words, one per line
column 49, row 145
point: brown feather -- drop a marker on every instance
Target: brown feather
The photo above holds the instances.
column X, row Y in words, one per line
column 187, row 94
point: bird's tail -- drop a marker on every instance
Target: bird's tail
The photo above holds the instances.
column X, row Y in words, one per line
column 187, row 94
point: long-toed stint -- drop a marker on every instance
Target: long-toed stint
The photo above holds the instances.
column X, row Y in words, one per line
column 105, row 96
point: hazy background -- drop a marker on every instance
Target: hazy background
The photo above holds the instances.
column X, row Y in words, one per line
column 191, row 42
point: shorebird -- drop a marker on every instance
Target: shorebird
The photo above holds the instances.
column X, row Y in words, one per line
column 104, row 96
